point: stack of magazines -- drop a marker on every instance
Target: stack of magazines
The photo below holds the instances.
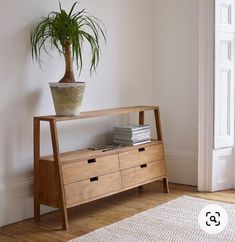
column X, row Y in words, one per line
column 132, row 134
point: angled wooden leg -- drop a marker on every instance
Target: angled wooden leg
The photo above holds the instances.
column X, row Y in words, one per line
column 159, row 135
column 36, row 140
column 36, row 197
column 165, row 185
column 141, row 121
column 158, row 124
column 59, row 177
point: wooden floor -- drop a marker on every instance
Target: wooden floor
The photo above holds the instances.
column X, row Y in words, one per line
column 85, row 218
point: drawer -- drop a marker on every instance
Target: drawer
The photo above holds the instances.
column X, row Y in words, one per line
column 82, row 170
column 88, row 189
column 140, row 156
column 143, row 173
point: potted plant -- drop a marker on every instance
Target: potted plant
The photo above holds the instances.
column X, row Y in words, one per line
column 67, row 32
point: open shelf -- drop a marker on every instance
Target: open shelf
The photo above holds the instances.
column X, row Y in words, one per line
column 99, row 113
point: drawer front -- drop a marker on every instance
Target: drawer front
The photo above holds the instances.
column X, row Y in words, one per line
column 82, row 170
column 139, row 156
column 143, row 173
column 88, row 189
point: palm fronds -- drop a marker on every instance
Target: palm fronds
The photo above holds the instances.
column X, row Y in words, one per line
column 73, row 28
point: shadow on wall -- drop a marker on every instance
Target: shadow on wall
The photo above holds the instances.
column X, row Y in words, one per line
column 18, row 102
column 17, row 107
column 17, row 136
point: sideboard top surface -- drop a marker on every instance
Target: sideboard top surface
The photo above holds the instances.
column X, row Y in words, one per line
column 99, row 113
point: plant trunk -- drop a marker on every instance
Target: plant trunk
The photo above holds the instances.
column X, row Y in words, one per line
column 69, row 74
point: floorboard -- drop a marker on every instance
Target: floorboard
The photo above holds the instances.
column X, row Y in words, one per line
column 88, row 217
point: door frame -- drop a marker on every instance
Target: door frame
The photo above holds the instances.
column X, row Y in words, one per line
column 206, row 94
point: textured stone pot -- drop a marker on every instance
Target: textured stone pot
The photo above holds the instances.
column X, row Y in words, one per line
column 67, row 97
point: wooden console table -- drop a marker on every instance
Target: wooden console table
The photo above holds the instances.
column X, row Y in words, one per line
column 65, row 180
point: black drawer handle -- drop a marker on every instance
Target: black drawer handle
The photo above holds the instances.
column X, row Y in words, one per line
column 91, row 161
column 141, row 149
column 143, row 166
column 94, row 179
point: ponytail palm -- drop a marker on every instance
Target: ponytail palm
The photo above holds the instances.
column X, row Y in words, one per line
column 67, row 32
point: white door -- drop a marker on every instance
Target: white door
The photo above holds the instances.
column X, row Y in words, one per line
column 216, row 92
column 224, row 95
column 224, row 74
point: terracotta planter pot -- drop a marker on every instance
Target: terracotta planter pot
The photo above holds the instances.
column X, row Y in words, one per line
column 67, row 97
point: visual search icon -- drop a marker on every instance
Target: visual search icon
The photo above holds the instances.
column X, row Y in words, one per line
column 213, row 219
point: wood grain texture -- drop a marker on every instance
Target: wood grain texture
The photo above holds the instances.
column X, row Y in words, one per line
column 143, row 173
column 141, row 122
column 8, row 238
column 82, row 170
column 48, row 190
column 113, row 192
column 160, row 137
column 85, row 154
column 31, row 236
column 100, row 113
column 64, row 180
column 140, row 156
column 58, row 174
column 87, row 190
column 158, row 124
column 165, row 184
column 91, row 216
column 36, row 147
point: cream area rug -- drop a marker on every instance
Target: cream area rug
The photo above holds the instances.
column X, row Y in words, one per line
column 176, row 220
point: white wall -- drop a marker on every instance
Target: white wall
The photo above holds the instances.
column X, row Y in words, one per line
column 137, row 67
column 124, row 78
column 176, row 48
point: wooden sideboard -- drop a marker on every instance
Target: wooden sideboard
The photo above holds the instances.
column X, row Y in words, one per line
column 65, row 180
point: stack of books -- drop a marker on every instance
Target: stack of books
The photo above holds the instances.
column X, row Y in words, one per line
column 132, row 134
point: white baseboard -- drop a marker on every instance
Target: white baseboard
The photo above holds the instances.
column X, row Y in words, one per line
column 16, row 202
column 182, row 168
